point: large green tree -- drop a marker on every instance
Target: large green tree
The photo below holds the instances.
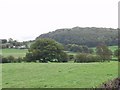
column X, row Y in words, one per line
column 46, row 50
column 104, row 52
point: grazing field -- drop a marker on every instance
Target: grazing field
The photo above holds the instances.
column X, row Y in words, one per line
column 113, row 48
column 14, row 52
column 57, row 75
column 22, row 52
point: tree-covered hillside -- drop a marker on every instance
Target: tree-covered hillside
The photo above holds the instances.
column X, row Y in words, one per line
column 84, row 36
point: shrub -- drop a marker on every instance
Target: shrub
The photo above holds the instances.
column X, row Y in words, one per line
column 63, row 57
column 11, row 59
column 19, row 59
column 87, row 58
column 5, row 60
column 29, row 57
column 80, row 58
column 104, row 52
column 71, row 57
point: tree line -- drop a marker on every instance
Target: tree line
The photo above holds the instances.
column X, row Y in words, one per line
column 48, row 50
column 78, row 48
column 90, row 37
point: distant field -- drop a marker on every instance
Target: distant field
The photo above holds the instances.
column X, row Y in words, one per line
column 14, row 52
column 113, row 48
column 56, row 75
column 22, row 52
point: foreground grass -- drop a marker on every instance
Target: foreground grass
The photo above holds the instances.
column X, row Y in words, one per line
column 57, row 75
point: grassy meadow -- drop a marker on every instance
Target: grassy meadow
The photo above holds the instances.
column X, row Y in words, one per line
column 57, row 75
column 14, row 52
column 113, row 48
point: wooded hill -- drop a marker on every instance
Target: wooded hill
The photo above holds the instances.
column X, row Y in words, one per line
column 83, row 36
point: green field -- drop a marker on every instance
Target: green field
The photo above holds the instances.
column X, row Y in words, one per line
column 113, row 48
column 57, row 75
column 14, row 52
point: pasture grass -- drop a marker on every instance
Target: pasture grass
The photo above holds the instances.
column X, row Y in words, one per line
column 112, row 48
column 57, row 75
column 14, row 52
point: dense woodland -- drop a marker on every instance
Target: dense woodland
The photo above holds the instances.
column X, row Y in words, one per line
column 90, row 37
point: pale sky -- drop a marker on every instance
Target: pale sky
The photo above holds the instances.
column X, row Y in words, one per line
column 27, row 19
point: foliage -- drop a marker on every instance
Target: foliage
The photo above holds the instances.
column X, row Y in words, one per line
column 85, row 58
column 19, row 55
column 20, row 59
column 71, row 57
column 63, row 57
column 117, row 53
column 5, row 60
column 78, row 48
column 46, row 50
column 3, row 40
column 11, row 59
column 84, row 36
column 104, row 52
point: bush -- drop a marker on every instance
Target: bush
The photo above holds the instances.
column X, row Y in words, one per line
column 19, row 59
column 78, row 48
column 92, row 58
column 63, row 57
column 71, row 57
column 5, row 60
column 11, row 59
column 80, row 58
column 29, row 57
column 85, row 58
column 104, row 52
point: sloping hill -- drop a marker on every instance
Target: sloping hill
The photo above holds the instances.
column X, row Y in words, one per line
column 83, row 36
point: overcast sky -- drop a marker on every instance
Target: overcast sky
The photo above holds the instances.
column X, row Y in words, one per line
column 27, row 19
